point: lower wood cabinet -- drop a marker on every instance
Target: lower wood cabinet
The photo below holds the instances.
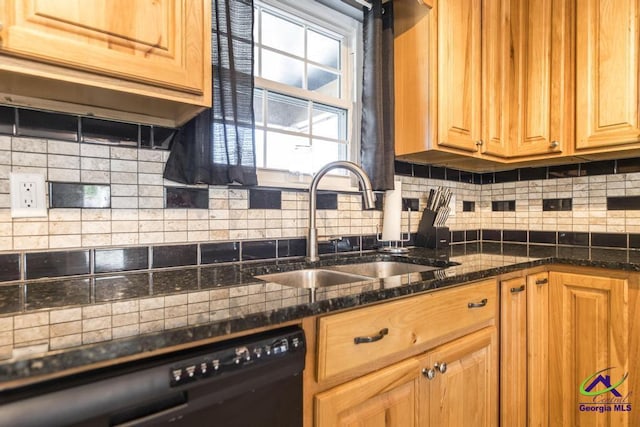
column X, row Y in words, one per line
column 588, row 341
column 566, row 338
column 461, row 382
column 388, row 398
column 453, row 385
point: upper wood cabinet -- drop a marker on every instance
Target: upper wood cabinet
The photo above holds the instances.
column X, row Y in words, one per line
column 607, row 91
column 114, row 58
column 459, row 76
column 483, row 79
column 541, row 118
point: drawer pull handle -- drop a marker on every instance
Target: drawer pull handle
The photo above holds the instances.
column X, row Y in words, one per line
column 363, row 340
column 516, row 290
column 542, row 281
column 478, row 304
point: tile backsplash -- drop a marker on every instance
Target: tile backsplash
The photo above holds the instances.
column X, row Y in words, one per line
column 79, row 154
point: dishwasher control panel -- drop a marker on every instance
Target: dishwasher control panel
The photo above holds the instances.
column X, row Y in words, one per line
column 250, row 351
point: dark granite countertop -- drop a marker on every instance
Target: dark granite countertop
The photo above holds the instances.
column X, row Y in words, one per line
column 248, row 303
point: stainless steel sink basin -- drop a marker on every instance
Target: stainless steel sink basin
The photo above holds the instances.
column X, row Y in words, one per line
column 312, row 278
column 382, row 269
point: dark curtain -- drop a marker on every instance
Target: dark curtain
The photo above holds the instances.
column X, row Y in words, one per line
column 218, row 145
column 377, row 142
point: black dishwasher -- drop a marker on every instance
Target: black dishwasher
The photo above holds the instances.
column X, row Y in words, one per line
column 245, row 382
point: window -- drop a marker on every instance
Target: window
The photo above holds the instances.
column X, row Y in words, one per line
column 304, row 78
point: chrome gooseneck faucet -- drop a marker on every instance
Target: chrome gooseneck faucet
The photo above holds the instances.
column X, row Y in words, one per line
column 367, row 194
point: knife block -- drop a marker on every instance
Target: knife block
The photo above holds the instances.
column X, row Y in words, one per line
column 429, row 236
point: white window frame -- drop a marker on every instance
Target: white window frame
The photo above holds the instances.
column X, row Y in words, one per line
column 351, row 30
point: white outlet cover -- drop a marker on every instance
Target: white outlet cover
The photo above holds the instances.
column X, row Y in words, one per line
column 39, row 206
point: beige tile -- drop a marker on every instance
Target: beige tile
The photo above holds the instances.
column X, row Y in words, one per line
column 101, row 310
column 31, row 335
column 175, row 322
column 125, row 319
column 151, row 315
column 151, row 303
column 65, row 315
column 173, row 300
column 96, row 336
column 126, row 331
column 94, row 150
column 154, row 326
column 30, row 320
column 67, row 341
column 6, row 324
column 68, row 328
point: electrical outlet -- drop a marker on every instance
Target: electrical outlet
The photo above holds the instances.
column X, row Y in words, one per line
column 28, row 197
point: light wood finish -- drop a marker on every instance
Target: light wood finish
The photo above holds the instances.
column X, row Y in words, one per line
column 537, row 333
column 588, row 318
column 415, row 323
column 497, row 77
column 459, row 74
column 513, row 352
column 414, row 76
column 386, row 398
column 467, row 393
column 634, row 342
column 607, row 52
column 82, row 55
column 541, row 107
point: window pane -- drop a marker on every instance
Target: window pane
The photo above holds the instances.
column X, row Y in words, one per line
column 330, row 122
column 323, row 152
column 285, row 112
column 282, row 69
column 280, row 149
column 323, row 49
column 257, row 106
column 322, row 81
column 260, row 149
column 282, row 34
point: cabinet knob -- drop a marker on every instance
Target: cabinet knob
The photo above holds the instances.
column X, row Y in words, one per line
column 429, row 373
column 441, row 367
column 479, row 144
column 554, row 145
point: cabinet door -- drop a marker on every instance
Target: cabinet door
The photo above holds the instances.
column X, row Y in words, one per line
column 459, row 74
column 588, row 349
column 541, row 111
column 513, row 352
column 496, row 77
column 466, row 393
column 386, row 398
column 538, row 350
column 607, row 73
column 158, row 42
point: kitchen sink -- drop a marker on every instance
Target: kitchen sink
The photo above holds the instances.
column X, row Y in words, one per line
column 381, row 269
column 312, row 278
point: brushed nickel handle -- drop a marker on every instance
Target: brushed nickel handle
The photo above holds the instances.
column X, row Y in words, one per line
column 516, row 290
column 374, row 338
column 542, row 281
column 480, row 304
column 441, row 367
column 429, row 373
column 554, row 144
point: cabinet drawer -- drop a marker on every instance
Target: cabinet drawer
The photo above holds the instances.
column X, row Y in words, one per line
column 398, row 327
